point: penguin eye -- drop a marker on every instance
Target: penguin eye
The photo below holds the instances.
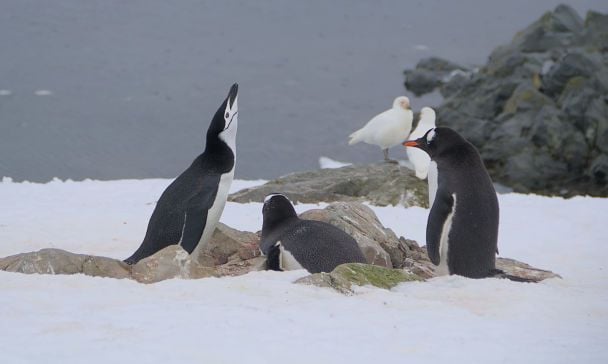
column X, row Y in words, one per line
column 227, row 115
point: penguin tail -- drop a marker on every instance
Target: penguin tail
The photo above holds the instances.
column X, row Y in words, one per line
column 497, row 273
column 354, row 137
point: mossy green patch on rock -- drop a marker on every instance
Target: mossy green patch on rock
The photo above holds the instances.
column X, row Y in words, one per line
column 346, row 275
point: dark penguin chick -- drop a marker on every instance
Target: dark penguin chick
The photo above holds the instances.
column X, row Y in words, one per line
column 291, row 243
column 462, row 227
column 189, row 209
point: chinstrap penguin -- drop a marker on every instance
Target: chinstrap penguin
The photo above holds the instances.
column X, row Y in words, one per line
column 422, row 162
column 462, row 227
column 388, row 128
column 190, row 207
column 290, row 243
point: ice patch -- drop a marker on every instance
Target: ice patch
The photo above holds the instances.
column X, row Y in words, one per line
column 6, row 92
column 328, row 163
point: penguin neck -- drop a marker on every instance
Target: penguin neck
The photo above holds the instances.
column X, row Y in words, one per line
column 274, row 223
column 218, row 154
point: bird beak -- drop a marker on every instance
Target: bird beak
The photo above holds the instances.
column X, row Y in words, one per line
column 234, row 90
column 411, row 143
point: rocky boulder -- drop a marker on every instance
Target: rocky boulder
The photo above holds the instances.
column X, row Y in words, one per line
column 57, row 261
column 433, row 72
column 170, row 262
column 381, row 184
column 229, row 245
column 537, row 110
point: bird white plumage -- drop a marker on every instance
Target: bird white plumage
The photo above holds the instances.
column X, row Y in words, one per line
column 387, row 129
column 419, row 158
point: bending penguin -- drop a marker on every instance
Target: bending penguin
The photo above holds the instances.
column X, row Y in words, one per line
column 388, row 128
column 424, row 167
column 189, row 209
column 462, row 227
column 290, row 243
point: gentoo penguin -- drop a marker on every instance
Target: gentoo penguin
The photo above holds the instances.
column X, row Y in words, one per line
column 290, row 243
column 462, row 227
column 189, row 209
column 421, row 160
column 387, row 129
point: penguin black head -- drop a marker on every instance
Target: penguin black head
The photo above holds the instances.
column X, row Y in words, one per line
column 224, row 123
column 277, row 208
column 436, row 141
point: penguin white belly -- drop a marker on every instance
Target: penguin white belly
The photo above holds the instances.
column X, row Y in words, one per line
column 433, row 181
column 215, row 212
column 287, row 260
column 443, row 269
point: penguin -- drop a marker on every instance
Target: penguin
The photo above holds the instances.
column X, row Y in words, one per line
column 290, row 243
column 424, row 167
column 191, row 206
column 462, row 226
column 388, row 128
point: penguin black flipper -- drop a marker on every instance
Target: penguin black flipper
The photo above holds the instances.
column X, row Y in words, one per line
column 196, row 214
column 273, row 257
column 164, row 229
column 440, row 212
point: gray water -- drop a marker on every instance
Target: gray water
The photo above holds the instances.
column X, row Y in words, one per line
column 125, row 89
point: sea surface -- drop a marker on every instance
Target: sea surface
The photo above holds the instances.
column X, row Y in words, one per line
column 126, row 89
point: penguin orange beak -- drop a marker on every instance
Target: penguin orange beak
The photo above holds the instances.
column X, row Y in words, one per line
column 410, row 143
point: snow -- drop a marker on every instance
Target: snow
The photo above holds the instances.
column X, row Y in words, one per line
column 262, row 317
column 326, row 163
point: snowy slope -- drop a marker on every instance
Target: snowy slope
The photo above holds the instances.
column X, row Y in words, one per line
column 263, row 318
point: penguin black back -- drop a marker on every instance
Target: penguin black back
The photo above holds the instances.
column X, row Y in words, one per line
column 463, row 221
column 189, row 208
column 313, row 245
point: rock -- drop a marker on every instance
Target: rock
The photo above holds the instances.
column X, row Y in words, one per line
column 559, row 28
column 537, row 111
column 57, row 261
column 431, row 73
column 599, row 169
column 240, row 267
column 523, row 270
column 574, row 64
column 380, row 184
column 361, row 223
column 344, row 276
column 596, row 32
column 228, row 244
column 170, row 262
column 44, row 261
column 97, row 266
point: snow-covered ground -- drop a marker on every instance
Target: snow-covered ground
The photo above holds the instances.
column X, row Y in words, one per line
column 263, row 318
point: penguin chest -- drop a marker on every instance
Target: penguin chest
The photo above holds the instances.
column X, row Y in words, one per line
column 444, row 243
column 215, row 212
column 286, row 260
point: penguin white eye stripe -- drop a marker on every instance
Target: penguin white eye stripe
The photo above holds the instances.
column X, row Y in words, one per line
column 230, row 122
column 267, row 198
column 430, row 136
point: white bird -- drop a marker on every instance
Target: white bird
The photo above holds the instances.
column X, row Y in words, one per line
column 419, row 158
column 387, row 129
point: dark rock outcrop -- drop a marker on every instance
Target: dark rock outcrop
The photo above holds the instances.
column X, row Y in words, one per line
column 538, row 110
column 380, row 184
